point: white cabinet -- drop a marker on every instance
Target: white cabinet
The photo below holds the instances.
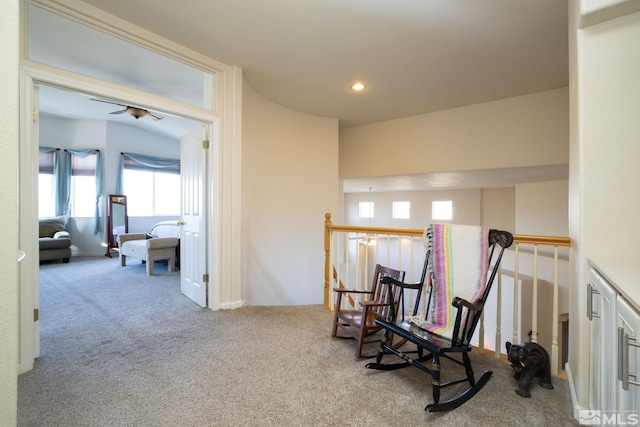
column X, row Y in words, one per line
column 601, row 310
column 614, row 353
column 628, row 348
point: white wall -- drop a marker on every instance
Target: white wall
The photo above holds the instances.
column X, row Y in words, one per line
column 111, row 139
column 9, row 210
column 605, row 64
column 529, row 130
column 289, row 181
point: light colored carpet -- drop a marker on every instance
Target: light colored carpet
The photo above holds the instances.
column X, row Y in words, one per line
column 119, row 348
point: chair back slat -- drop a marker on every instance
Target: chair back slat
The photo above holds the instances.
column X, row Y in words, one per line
column 379, row 293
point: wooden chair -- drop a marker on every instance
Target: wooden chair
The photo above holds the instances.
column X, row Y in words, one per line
column 427, row 327
column 359, row 322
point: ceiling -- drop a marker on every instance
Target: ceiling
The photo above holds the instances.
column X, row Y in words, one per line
column 415, row 56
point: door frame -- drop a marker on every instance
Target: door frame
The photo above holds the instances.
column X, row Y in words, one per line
column 34, row 74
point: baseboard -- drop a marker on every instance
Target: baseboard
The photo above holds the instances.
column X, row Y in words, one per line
column 231, row 305
column 574, row 398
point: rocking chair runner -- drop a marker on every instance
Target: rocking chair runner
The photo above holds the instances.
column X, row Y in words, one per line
column 359, row 323
column 439, row 330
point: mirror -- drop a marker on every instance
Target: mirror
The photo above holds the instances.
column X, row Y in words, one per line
column 117, row 220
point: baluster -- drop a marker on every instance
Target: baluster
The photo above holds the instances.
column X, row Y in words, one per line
column 498, row 314
column 515, row 338
column 554, row 318
column 365, row 269
column 329, row 269
column 328, row 296
column 534, row 309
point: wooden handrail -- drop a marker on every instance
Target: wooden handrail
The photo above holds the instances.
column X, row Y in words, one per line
column 517, row 238
column 329, row 227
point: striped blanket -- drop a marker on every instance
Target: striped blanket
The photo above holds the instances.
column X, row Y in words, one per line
column 458, row 267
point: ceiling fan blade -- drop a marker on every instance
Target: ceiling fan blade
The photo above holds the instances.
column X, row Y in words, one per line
column 118, row 112
column 107, row 102
column 154, row 116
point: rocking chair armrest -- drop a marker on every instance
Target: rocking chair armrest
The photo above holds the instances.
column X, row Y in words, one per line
column 351, row 291
column 373, row 304
column 391, row 281
column 457, row 302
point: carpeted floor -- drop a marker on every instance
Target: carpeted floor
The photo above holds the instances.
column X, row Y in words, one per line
column 119, row 348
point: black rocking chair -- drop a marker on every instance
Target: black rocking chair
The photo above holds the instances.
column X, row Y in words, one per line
column 427, row 326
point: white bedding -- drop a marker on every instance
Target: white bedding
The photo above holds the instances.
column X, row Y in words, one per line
column 166, row 229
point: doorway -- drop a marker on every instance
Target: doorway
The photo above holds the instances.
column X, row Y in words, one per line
column 29, row 268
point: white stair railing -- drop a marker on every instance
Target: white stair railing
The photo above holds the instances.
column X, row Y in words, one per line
column 529, row 294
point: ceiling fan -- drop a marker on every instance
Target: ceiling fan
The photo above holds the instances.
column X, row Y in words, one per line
column 135, row 112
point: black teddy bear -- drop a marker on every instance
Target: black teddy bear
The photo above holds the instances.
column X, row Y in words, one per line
column 529, row 360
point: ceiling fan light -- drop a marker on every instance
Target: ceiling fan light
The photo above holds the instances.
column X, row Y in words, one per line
column 137, row 112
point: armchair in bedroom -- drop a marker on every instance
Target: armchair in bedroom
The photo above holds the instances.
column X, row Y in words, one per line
column 137, row 245
column 54, row 240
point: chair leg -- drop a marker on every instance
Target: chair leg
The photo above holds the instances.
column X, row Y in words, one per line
column 171, row 265
column 149, row 268
column 336, row 308
column 123, row 260
column 469, row 369
column 435, row 373
column 360, row 341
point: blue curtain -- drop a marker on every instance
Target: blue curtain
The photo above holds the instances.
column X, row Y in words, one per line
column 97, row 225
column 57, row 178
column 150, row 161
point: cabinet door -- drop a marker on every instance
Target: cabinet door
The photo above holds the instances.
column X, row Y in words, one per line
column 628, row 320
column 602, row 360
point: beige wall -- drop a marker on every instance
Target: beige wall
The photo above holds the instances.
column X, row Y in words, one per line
column 530, row 130
column 542, row 208
column 499, row 208
column 9, row 210
column 289, row 181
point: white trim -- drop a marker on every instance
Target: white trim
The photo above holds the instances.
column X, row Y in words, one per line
column 28, row 226
column 232, row 305
column 574, row 399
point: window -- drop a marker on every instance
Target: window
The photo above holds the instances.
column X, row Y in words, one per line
column 402, row 210
column 366, row 210
column 46, row 185
column 442, row 210
column 83, row 186
column 151, row 191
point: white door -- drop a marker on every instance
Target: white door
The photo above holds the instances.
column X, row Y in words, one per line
column 193, row 248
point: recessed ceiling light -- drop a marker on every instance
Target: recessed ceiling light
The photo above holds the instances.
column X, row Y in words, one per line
column 358, row 86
